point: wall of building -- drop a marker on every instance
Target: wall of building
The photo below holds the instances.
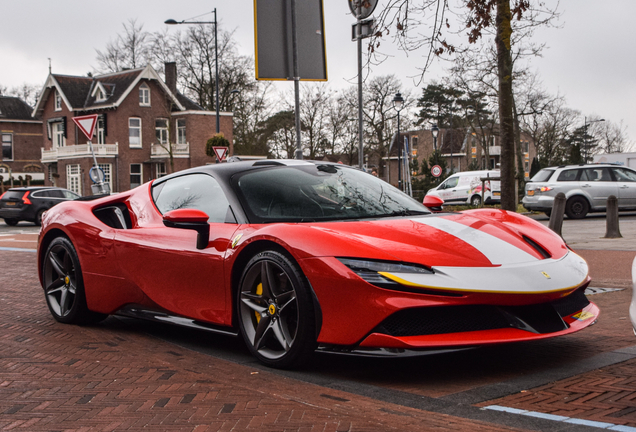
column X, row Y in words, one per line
column 27, row 140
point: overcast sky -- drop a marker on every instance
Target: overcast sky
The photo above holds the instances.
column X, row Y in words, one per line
column 591, row 59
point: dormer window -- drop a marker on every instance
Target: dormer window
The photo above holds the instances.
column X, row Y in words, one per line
column 144, row 95
column 58, row 101
column 99, row 96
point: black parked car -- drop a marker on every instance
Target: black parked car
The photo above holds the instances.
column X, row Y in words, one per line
column 30, row 203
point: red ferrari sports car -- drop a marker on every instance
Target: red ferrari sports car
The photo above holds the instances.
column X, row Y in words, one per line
column 296, row 256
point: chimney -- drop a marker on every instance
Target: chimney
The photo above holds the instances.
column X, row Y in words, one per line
column 171, row 76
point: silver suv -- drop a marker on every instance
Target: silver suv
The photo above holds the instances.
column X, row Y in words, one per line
column 586, row 188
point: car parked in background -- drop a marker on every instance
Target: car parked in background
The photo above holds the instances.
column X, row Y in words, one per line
column 465, row 188
column 586, row 188
column 30, row 203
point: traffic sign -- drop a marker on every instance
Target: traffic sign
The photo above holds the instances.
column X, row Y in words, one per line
column 436, row 170
column 86, row 124
column 220, row 152
column 97, row 175
column 366, row 7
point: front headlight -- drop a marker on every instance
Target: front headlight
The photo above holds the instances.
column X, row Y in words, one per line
column 370, row 270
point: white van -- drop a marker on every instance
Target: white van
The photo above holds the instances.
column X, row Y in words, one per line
column 465, row 188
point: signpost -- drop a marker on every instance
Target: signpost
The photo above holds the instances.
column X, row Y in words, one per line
column 436, row 170
column 87, row 125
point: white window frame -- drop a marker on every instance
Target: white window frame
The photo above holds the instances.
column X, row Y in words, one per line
column 108, row 177
column 58, row 101
column 74, row 178
column 161, row 169
column 59, row 140
column 161, row 132
column 99, row 131
column 10, row 145
column 131, row 128
column 99, row 95
column 181, row 131
column 140, row 174
column 144, row 95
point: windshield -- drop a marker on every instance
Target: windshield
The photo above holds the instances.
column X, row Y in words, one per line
column 320, row 192
column 542, row 176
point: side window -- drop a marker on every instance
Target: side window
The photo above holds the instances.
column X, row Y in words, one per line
column 624, row 175
column 195, row 191
column 568, row 175
column 451, row 183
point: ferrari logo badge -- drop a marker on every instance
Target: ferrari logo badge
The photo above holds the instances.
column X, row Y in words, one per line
column 547, row 276
column 272, row 309
column 236, row 240
column 582, row 316
column 67, row 280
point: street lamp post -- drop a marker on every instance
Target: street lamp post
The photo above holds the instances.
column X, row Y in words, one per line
column 216, row 59
column 585, row 134
column 398, row 103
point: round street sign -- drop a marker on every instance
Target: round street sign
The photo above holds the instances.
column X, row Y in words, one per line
column 436, row 170
column 368, row 6
column 97, row 175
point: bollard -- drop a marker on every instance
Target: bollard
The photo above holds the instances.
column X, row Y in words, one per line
column 556, row 217
column 611, row 216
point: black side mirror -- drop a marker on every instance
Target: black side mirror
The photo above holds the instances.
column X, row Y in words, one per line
column 190, row 219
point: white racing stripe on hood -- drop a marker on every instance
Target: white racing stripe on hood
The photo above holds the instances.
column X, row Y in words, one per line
column 496, row 250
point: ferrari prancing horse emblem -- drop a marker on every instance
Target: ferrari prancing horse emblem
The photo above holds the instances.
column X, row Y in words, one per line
column 547, row 276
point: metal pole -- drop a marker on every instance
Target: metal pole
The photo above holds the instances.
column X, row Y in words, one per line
column 216, row 66
column 399, row 155
column 299, row 148
column 360, row 120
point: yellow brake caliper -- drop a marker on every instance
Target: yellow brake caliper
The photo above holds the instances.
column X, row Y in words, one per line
column 259, row 291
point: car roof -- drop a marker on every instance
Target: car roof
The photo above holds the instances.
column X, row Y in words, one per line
column 34, row 188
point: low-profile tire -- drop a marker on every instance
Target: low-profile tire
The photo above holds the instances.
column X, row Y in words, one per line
column 11, row 222
column 475, row 201
column 38, row 217
column 275, row 311
column 64, row 285
column 577, row 207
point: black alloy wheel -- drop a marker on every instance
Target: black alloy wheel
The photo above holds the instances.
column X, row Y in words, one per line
column 11, row 222
column 64, row 285
column 577, row 207
column 275, row 311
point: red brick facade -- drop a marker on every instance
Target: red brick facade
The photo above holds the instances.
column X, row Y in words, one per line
column 69, row 166
column 20, row 141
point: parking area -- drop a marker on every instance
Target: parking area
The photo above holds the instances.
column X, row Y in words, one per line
column 126, row 374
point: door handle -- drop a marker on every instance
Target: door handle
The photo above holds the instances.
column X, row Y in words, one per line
column 624, row 187
column 585, row 185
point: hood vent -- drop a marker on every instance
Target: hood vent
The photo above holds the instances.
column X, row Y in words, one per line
column 544, row 253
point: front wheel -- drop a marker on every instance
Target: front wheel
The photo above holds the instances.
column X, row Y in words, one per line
column 64, row 285
column 577, row 207
column 475, row 201
column 275, row 311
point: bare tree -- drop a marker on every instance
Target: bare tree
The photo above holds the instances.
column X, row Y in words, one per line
column 129, row 50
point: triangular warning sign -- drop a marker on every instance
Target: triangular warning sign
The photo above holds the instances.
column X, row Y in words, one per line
column 220, row 152
column 86, row 124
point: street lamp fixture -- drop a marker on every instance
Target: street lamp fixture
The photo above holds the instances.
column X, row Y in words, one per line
column 216, row 59
column 398, row 104
column 435, row 132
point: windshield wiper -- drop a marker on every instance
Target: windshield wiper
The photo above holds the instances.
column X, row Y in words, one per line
column 405, row 212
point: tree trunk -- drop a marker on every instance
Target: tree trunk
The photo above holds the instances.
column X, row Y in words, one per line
column 504, row 68
column 521, row 178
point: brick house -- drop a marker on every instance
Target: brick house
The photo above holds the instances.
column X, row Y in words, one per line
column 21, row 139
column 142, row 121
column 463, row 147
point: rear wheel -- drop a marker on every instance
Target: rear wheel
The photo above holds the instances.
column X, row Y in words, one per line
column 275, row 310
column 11, row 222
column 38, row 217
column 64, row 285
column 475, row 201
column 577, row 207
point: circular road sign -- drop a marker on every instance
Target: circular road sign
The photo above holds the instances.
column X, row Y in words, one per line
column 368, row 6
column 97, row 175
column 436, row 170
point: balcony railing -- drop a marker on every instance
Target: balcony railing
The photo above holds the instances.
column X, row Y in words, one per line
column 80, row 150
column 178, row 150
